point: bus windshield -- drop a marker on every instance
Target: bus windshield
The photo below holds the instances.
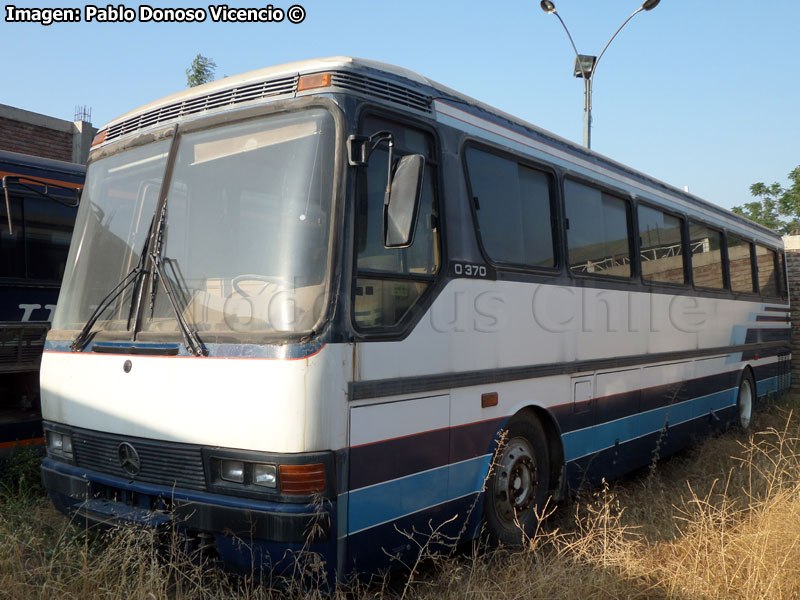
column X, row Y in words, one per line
column 244, row 238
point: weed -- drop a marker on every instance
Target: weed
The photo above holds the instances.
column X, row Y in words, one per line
column 720, row 520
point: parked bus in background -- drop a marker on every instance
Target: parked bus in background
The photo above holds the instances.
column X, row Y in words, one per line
column 328, row 295
column 38, row 204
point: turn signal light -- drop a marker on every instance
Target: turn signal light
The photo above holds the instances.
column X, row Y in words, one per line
column 302, row 479
column 310, row 82
column 489, row 399
column 99, row 138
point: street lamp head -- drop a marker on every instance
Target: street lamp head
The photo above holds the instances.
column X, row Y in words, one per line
column 650, row 4
column 550, row 8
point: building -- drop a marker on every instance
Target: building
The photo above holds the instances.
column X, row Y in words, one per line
column 31, row 133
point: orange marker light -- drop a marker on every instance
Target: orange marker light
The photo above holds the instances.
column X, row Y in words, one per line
column 302, row 479
column 310, row 82
column 99, row 138
column 489, row 399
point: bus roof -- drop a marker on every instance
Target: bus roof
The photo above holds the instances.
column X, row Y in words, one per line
column 17, row 159
column 220, row 94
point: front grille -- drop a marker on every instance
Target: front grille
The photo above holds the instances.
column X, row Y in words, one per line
column 21, row 343
column 377, row 88
column 162, row 463
column 222, row 98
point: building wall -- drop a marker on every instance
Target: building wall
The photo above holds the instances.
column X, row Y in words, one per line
column 31, row 133
column 792, row 244
column 27, row 138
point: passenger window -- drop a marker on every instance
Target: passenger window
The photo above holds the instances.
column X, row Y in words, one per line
column 512, row 203
column 782, row 276
column 740, row 265
column 706, row 248
column 389, row 281
column 597, row 231
column 48, row 231
column 661, row 241
column 12, row 249
column 767, row 275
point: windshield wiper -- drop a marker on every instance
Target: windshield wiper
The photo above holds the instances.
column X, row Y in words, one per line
column 82, row 338
column 132, row 276
column 190, row 338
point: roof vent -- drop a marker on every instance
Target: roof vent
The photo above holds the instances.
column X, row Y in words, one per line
column 229, row 97
column 369, row 86
column 384, row 90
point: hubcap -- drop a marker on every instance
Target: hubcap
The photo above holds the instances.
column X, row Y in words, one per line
column 745, row 404
column 515, row 482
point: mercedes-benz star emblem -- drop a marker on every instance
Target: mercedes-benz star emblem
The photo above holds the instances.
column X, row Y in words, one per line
column 128, row 458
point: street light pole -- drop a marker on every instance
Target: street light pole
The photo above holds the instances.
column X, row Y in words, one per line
column 585, row 65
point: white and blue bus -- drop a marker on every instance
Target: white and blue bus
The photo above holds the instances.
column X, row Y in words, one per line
column 307, row 306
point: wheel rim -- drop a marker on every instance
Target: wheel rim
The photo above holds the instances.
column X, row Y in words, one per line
column 516, row 481
column 745, row 403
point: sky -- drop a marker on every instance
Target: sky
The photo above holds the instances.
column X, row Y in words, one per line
column 698, row 93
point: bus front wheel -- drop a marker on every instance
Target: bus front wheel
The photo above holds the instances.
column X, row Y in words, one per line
column 518, row 484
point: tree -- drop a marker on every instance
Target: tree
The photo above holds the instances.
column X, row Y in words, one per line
column 777, row 207
column 200, row 71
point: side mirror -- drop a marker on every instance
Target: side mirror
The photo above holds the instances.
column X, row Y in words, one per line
column 402, row 201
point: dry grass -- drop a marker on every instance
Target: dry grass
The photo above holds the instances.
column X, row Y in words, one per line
column 722, row 520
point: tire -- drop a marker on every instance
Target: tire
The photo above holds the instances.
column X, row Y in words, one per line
column 745, row 401
column 519, row 483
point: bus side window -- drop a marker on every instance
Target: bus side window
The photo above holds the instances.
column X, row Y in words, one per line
column 598, row 236
column 661, row 246
column 706, row 250
column 784, row 288
column 740, row 265
column 767, row 273
column 513, row 206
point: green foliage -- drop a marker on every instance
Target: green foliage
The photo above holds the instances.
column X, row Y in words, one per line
column 200, row 71
column 777, row 207
column 19, row 474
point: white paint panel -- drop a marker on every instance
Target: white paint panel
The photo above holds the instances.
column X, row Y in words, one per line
column 476, row 325
column 388, row 420
column 617, row 382
column 512, row 396
column 666, row 374
column 269, row 405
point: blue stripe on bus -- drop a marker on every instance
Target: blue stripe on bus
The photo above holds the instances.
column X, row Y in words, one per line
column 394, row 499
column 599, row 437
column 770, row 385
column 386, row 502
column 758, row 335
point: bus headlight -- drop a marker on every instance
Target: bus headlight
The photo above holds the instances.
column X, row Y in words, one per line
column 265, row 475
column 270, row 475
column 232, row 470
column 59, row 445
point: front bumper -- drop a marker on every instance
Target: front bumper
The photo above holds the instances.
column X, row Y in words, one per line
column 242, row 528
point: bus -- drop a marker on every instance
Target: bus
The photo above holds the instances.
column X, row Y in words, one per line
column 335, row 307
column 37, row 210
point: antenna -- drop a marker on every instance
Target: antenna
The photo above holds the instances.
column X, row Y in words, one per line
column 83, row 113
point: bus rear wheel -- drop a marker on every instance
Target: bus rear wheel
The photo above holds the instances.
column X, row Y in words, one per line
column 746, row 400
column 518, row 484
